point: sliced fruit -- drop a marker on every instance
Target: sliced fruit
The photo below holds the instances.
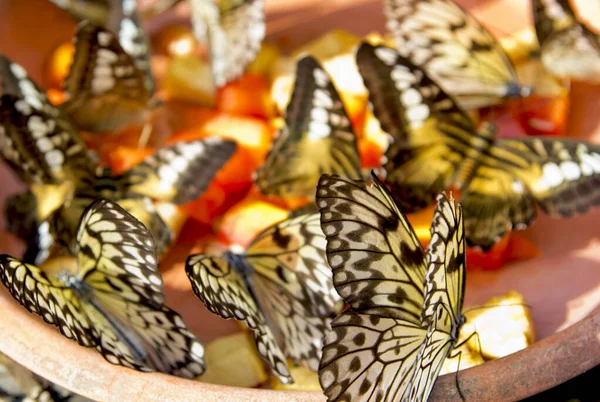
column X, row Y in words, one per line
column 249, row 95
column 304, row 380
column 59, row 65
column 189, row 78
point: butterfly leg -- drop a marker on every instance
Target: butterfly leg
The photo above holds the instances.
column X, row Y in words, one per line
column 459, row 355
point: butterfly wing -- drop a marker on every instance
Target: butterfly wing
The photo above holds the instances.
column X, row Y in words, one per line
column 378, row 263
column 117, row 260
column 378, row 269
column 124, row 20
column 318, row 137
column 559, row 175
column 95, row 11
column 106, row 91
column 551, row 16
column 182, row 172
column 454, row 49
column 431, row 134
column 292, row 283
column 233, row 30
column 37, row 141
column 223, row 291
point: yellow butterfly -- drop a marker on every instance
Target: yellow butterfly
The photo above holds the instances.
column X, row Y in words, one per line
column 568, row 48
column 280, row 286
column 405, row 303
column 113, row 299
column 436, row 145
column 454, row 49
column 317, row 138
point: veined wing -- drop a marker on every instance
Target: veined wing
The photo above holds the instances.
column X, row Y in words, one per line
column 36, row 140
column 370, row 358
column 292, row 284
column 318, row 137
column 106, row 91
column 378, row 263
column 180, row 173
column 560, row 175
column 454, row 49
column 432, row 136
column 95, row 11
column 223, row 291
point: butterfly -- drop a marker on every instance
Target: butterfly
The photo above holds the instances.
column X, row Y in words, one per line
column 233, row 29
column 113, row 299
column 317, row 138
column 37, row 140
column 177, row 174
column 568, row 48
column 458, row 52
column 280, row 287
column 405, row 303
column 107, row 88
column 95, row 11
column 436, row 145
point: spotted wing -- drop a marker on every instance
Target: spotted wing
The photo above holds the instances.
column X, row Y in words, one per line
column 318, row 137
column 36, row 140
column 182, row 172
column 559, row 175
column 431, row 134
column 551, row 16
column 454, row 49
column 125, row 21
column 106, row 90
column 233, row 30
column 378, row 263
column 118, row 262
column 292, row 284
column 224, row 292
column 96, row 11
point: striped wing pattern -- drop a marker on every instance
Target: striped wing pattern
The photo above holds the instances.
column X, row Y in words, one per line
column 378, row 350
column 224, row 292
column 106, row 90
column 114, row 302
column 181, row 172
column 318, row 137
column 453, row 48
column 282, row 283
column 36, row 140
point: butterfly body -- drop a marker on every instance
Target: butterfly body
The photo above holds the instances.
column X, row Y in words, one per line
column 405, row 302
column 435, row 145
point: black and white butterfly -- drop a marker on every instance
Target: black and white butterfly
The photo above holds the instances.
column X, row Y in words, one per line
column 280, row 286
column 405, row 303
column 455, row 50
column 568, row 49
column 436, row 145
column 112, row 298
column 317, row 137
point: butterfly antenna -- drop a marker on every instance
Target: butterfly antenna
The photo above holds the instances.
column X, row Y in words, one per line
column 145, row 135
column 499, row 305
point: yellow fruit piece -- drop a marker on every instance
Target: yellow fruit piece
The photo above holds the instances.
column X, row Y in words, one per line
column 173, row 216
column 51, row 196
column 265, row 61
column 504, row 326
column 55, row 265
column 59, row 64
column 532, row 73
column 468, row 358
column 373, row 132
column 189, row 78
column 521, row 45
column 304, row 380
column 333, row 43
column 281, row 91
column 233, row 360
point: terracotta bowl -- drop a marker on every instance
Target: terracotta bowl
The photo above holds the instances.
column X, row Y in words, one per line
column 562, row 285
